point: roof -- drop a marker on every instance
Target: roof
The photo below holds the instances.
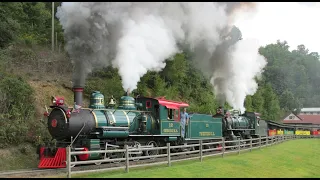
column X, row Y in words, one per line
column 313, row 109
column 168, row 103
column 171, row 104
column 305, row 119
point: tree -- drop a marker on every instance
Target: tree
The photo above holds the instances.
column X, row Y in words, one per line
column 271, row 103
column 10, row 13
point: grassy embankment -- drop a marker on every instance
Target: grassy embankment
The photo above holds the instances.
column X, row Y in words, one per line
column 297, row 158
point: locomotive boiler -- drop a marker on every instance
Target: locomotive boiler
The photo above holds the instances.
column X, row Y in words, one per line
column 97, row 121
column 243, row 126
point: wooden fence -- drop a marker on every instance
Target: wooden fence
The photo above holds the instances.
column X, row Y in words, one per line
column 241, row 145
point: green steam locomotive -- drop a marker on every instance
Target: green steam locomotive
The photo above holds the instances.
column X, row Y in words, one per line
column 137, row 122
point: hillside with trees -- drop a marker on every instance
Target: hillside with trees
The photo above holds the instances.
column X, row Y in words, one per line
column 30, row 73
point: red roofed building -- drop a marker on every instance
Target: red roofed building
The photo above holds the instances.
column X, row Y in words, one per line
column 306, row 116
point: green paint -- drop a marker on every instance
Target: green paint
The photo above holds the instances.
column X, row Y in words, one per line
column 170, row 128
column 288, row 132
column 93, row 145
column 101, row 118
column 127, row 103
column 113, row 134
column 172, row 138
column 202, row 126
column 97, row 100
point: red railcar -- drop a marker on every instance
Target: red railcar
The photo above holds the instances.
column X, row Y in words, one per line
column 272, row 132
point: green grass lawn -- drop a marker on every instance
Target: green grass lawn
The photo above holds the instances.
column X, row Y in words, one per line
column 296, row 158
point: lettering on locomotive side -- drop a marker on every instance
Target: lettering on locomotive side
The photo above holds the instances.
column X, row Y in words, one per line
column 170, row 130
column 206, row 134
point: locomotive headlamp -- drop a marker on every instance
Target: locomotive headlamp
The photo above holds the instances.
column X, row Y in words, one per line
column 53, row 99
column 57, row 101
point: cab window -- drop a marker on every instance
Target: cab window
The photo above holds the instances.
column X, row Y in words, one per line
column 170, row 113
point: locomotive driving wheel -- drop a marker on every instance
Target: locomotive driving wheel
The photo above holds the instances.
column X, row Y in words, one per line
column 152, row 152
column 136, row 153
column 117, row 155
column 73, row 159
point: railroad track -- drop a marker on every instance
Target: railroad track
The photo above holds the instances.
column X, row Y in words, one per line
column 27, row 173
column 30, row 172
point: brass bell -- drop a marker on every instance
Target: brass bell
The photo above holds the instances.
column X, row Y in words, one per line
column 112, row 101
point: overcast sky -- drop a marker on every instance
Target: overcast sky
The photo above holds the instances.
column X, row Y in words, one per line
column 295, row 22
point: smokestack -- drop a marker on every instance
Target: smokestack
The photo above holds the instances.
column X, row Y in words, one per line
column 78, row 91
column 128, row 92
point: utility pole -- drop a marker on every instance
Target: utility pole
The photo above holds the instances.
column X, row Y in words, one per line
column 52, row 35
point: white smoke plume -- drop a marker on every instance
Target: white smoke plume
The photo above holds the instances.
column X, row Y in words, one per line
column 234, row 82
column 137, row 37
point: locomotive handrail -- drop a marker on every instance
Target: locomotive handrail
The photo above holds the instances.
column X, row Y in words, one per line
column 110, row 109
column 113, row 128
column 84, row 124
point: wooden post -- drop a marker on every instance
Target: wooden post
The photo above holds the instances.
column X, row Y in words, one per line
column 250, row 144
column 259, row 142
column 223, row 146
column 168, row 152
column 68, row 161
column 239, row 145
column 267, row 141
column 127, row 158
column 201, row 147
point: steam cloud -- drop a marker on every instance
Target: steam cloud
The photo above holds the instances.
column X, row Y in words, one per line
column 137, row 37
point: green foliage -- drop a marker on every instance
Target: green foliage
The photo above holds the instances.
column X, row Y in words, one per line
column 9, row 24
column 28, row 23
column 294, row 76
column 106, row 82
column 291, row 79
column 16, row 111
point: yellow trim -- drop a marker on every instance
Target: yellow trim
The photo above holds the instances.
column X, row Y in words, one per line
column 127, row 118
column 95, row 118
column 114, row 120
column 127, row 101
column 64, row 114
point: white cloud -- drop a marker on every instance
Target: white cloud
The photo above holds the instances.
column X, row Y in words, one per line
column 295, row 22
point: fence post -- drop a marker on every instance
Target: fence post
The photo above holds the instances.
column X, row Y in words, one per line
column 200, row 150
column 223, row 146
column 250, row 144
column 68, row 161
column 168, row 154
column 239, row 142
column 259, row 142
column 267, row 141
column 127, row 158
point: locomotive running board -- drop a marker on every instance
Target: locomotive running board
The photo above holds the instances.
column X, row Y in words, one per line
column 58, row 161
